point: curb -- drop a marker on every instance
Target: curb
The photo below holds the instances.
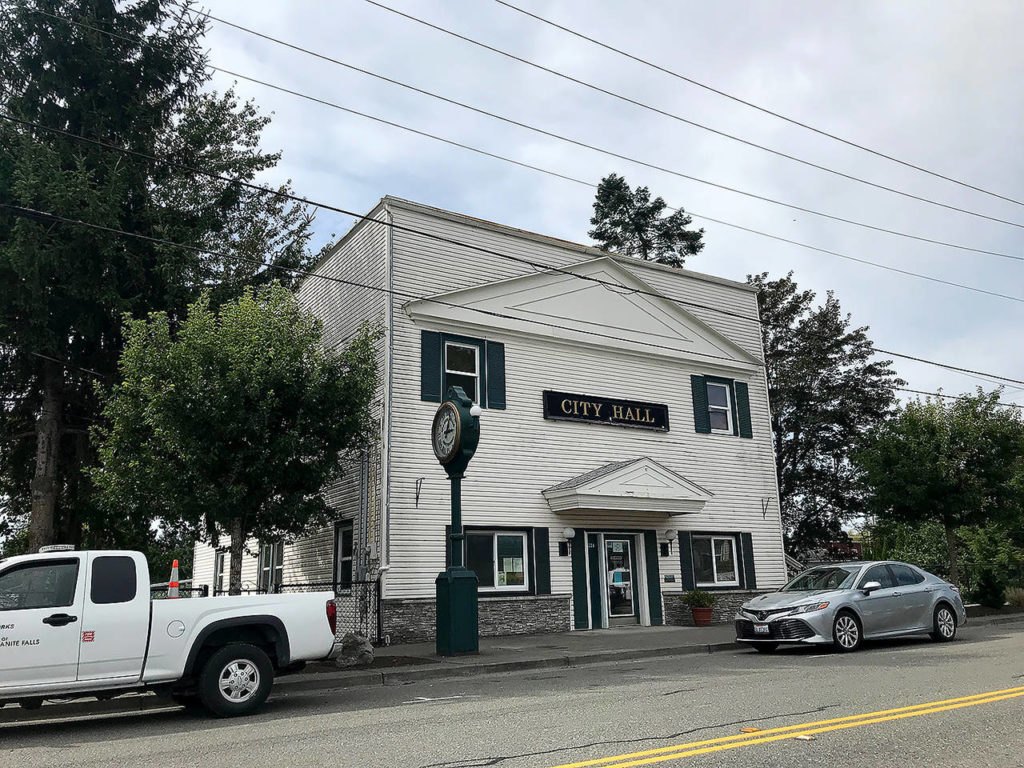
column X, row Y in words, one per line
column 444, row 670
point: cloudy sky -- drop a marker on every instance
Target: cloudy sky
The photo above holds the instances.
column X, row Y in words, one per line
column 935, row 84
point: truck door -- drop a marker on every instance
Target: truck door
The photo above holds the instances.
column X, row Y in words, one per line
column 40, row 621
column 116, row 626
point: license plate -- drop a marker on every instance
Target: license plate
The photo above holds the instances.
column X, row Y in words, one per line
column 762, row 629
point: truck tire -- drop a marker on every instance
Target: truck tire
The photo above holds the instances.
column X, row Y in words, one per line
column 235, row 680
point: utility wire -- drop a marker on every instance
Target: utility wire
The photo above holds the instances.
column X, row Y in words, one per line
column 33, row 213
column 398, row 227
column 950, row 397
column 759, row 108
column 569, row 140
column 637, row 103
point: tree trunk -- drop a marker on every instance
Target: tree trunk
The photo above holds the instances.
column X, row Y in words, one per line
column 44, row 482
column 951, row 549
column 237, row 544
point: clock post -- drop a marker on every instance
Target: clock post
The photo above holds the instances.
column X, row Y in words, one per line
column 455, row 434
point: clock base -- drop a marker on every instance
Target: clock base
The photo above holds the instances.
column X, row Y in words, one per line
column 457, row 612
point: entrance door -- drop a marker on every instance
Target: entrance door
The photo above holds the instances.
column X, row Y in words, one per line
column 620, row 580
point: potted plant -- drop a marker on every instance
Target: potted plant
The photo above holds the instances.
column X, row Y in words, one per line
column 701, row 605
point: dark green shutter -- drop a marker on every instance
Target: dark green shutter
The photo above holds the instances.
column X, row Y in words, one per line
column 743, row 409
column 701, row 420
column 542, row 561
column 580, row 607
column 747, row 547
column 686, row 560
column 430, row 366
column 596, row 584
column 495, row 375
column 653, row 576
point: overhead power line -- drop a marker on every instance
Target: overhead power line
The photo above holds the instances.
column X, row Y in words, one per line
column 448, row 241
column 31, row 213
column 600, row 150
column 560, row 137
column 759, row 108
column 37, row 214
column 949, row 397
column 638, row 103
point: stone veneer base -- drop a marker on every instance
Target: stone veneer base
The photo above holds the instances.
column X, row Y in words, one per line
column 726, row 604
column 414, row 620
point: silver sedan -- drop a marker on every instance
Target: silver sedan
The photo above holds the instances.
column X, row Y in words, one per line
column 847, row 603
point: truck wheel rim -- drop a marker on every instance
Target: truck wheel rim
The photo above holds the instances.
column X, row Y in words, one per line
column 846, row 632
column 946, row 624
column 239, row 681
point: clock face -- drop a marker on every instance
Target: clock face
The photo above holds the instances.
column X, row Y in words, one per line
column 446, row 432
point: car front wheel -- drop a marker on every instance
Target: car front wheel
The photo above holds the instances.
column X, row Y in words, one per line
column 846, row 632
column 236, row 680
column 943, row 624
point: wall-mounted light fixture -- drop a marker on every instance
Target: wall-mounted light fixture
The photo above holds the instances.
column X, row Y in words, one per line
column 568, row 533
column 563, row 546
column 671, row 536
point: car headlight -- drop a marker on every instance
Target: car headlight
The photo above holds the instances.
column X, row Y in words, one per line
column 810, row 607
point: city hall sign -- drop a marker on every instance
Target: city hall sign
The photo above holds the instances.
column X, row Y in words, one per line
column 563, row 406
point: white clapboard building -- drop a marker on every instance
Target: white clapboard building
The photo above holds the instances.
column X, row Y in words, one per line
column 625, row 454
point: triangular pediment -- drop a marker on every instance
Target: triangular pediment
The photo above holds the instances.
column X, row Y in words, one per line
column 639, row 485
column 609, row 307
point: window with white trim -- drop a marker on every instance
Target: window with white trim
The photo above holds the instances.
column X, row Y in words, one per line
column 343, row 555
column 462, row 368
column 499, row 559
column 714, row 561
column 720, row 407
column 218, row 572
column 271, row 566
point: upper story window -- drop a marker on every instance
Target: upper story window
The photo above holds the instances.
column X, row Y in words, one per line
column 719, row 407
column 462, row 368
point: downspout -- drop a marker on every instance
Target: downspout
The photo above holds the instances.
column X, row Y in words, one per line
column 389, row 266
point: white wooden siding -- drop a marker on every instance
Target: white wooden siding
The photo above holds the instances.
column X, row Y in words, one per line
column 520, row 453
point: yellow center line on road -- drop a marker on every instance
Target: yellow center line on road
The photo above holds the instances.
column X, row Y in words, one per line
column 791, row 731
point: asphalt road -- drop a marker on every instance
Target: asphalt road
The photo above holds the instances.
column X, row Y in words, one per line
column 673, row 711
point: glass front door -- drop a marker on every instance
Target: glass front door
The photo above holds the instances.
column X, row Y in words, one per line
column 619, row 580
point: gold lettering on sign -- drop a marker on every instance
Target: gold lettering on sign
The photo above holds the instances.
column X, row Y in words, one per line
column 647, row 416
column 630, row 416
column 565, row 407
column 616, row 411
column 597, row 409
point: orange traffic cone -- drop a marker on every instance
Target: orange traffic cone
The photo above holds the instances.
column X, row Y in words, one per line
column 172, row 586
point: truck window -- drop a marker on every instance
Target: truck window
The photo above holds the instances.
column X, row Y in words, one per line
column 47, row 584
column 113, row 580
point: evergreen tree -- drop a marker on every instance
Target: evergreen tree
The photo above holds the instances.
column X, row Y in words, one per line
column 826, row 391
column 627, row 221
column 131, row 75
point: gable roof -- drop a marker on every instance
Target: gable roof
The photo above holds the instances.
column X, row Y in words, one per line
column 641, row 485
column 555, row 304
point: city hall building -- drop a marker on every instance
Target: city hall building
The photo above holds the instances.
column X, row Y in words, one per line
column 625, row 452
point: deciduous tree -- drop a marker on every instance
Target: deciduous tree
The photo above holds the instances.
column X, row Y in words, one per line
column 235, row 423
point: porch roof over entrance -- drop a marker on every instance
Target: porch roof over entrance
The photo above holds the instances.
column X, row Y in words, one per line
column 640, row 485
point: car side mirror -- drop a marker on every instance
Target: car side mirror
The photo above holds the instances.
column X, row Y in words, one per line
column 870, row 587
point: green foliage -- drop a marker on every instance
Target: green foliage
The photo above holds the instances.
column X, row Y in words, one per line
column 241, row 418
column 698, row 598
column 1015, row 596
column 990, row 590
column 64, row 288
column 959, row 465
column 627, row 221
column 826, row 392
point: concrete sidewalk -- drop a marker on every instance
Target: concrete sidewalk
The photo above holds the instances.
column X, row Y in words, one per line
column 398, row 664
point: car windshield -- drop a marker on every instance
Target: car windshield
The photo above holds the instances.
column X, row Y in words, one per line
column 831, row 577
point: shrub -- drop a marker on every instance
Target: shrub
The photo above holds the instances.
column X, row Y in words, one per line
column 1015, row 596
column 698, row 598
column 990, row 589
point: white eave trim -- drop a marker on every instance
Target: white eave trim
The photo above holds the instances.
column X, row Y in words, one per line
column 572, row 500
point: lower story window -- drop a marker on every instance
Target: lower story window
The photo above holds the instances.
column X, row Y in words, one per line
column 271, row 566
column 714, row 561
column 499, row 560
column 218, row 572
column 343, row 556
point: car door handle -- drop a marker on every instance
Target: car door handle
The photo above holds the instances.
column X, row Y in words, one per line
column 59, row 619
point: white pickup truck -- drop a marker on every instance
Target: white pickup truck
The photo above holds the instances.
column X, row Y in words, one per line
column 75, row 624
